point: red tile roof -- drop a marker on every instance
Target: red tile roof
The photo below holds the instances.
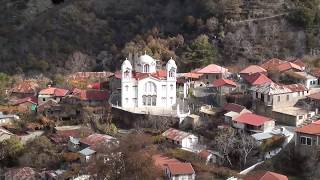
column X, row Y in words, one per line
column 180, row 168
column 252, row 69
column 54, row 91
column 298, row 62
column 252, row 119
column 296, row 87
column 192, row 75
column 223, row 82
column 313, row 128
column 272, row 63
column 204, row 153
column 316, row 72
column 265, row 176
column 288, row 66
column 162, row 161
column 175, row 134
column 159, row 74
column 25, row 87
column 257, row 79
column 233, row 107
column 32, row 99
column 93, row 95
column 212, row 69
column 96, row 85
column 315, row 96
column 95, row 139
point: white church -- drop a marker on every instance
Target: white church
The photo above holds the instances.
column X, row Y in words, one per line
column 143, row 86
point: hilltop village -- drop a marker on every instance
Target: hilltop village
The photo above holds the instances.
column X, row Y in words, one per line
column 151, row 121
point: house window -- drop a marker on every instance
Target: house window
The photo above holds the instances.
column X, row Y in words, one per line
column 172, row 72
column 305, row 141
column 300, row 117
column 257, row 95
column 309, row 115
column 43, row 99
column 268, row 98
column 163, row 99
column 299, row 94
column 154, row 100
column 288, row 97
column 171, row 87
column 144, row 100
column 217, row 76
column 207, row 77
column 278, row 98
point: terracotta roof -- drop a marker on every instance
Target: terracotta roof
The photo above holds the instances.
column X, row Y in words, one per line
column 252, row 69
column 288, row 66
column 315, row 96
column 212, row 69
column 95, row 139
column 223, row 82
column 159, row 74
column 272, row 63
column 25, row 87
column 192, row 75
column 93, row 95
column 298, row 62
column 233, row 107
column 313, row 128
column 96, row 85
column 265, row 176
column 296, row 87
column 162, row 161
column 316, row 72
column 252, row 119
column 257, row 79
column 180, row 168
column 175, row 134
column 271, row 89
column 32, row 99
column 54, row 91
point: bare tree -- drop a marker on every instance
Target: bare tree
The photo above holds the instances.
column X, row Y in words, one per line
column 246, row 144
column 225, row 142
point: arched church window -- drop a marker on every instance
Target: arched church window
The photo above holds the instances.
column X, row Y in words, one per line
column 127, row 73
column 172, row 72
column 146, row 68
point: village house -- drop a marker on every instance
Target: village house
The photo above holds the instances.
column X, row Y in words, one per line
column 308, row 138
column 91, row 97
column 250, row 122
column 316, row 73
column 270, row 96
column 182, row 139
column 212, row 72
column 268, row 175
column 90, row 144
column 301, row 77
column 233, row 111
column 145, row 87
column 51, row 93
column 254, row 79
column 173, row 168
column 24, row 89
column 314, row 100
column 224, row 86
column 27, row 104
column 252, row 69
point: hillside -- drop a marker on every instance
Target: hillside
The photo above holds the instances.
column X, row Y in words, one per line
column 63, row 36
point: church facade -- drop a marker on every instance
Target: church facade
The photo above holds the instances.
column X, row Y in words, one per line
column 145, row 86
